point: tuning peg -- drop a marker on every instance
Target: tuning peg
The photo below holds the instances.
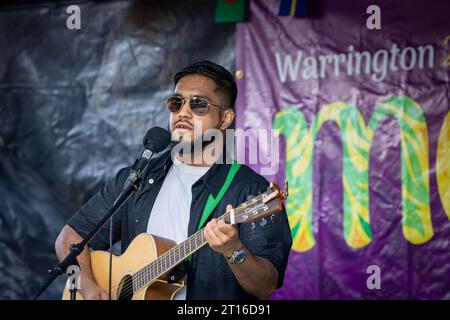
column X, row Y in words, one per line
column 253, row 226
column 250, row 197
column 263, row 222
column 285, row 193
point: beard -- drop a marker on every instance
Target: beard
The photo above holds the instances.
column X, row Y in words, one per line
column 209, row 150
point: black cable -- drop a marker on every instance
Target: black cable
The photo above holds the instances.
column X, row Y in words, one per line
column 110, row 256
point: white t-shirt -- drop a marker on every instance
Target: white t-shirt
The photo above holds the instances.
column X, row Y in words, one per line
column 170, row 213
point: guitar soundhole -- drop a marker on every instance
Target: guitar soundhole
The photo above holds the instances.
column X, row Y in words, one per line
column 126, row 288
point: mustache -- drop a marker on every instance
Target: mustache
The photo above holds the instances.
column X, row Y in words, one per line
column 183, row 121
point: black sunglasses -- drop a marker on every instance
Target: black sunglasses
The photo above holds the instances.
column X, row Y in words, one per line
column 199, row 105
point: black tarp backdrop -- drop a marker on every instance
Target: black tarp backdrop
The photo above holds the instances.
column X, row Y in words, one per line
column 74, row 106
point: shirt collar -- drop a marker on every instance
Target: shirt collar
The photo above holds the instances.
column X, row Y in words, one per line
column 213, row 179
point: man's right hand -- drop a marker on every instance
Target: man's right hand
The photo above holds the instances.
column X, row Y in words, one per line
column 90, row 290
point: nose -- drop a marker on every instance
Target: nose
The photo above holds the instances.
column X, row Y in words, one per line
column 185, row 111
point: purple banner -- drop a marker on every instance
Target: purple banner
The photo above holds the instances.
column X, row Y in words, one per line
column 359, row 96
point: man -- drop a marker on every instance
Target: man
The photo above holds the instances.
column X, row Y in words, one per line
column 173, row 195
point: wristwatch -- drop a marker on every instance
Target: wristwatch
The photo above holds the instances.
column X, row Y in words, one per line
column 238, row 256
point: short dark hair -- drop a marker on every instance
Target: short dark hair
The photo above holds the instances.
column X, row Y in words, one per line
column 221, row 76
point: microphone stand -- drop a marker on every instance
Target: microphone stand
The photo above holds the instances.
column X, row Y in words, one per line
column 76, row 249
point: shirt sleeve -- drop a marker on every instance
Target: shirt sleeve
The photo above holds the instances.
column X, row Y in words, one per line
column 269, row 238
column 84, row 220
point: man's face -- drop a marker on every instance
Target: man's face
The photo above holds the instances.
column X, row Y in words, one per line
column 182, row 123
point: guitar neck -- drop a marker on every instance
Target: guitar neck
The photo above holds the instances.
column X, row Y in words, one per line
column 168, row 260
column 171, row 258
column 257, row 208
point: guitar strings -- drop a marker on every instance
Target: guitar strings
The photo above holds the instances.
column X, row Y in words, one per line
column 151, row 275
column 129, row 289
column 146, row 271
column 154, row 265
column 149, row 270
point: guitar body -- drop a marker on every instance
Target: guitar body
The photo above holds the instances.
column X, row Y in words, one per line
column 142, row 250
column 145, row 261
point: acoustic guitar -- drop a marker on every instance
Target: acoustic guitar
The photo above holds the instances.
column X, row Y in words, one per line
column 141, row 272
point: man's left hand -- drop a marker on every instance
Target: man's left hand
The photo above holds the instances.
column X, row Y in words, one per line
column 222, row 237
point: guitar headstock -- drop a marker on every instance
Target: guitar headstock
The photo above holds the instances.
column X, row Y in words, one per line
column 261, row 206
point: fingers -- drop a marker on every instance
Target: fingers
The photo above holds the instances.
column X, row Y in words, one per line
column 222, row 237
column 91, row 291
column 91, row 295
column 213, row 235
column 210, row 237
column 226, row 229
column 104, row 295
column 223, row 231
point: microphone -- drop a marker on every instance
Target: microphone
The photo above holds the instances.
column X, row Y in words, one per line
column 155, row 140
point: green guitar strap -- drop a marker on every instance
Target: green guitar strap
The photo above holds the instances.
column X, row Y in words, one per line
column 212, row 202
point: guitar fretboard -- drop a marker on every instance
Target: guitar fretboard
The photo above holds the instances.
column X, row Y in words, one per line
column 195, row 242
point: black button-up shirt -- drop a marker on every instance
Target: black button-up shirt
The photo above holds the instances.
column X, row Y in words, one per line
column 209, row 276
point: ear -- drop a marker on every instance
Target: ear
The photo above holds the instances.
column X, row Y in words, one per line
column 227, row 119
